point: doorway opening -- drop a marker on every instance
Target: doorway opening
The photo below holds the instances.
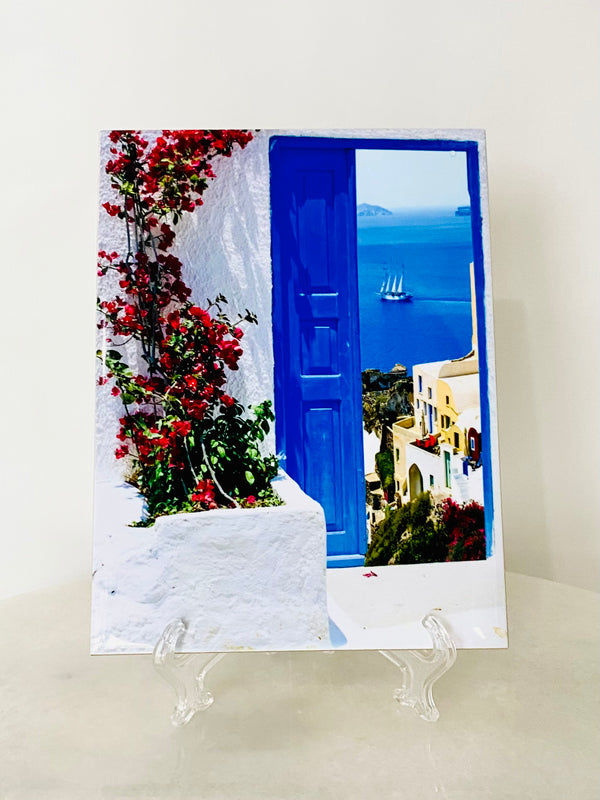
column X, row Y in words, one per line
column 378, row 327
column 416, row 320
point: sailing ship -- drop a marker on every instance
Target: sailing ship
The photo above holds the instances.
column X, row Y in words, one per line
column 392, row 289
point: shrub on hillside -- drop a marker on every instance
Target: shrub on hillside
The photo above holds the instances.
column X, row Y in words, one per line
column 407, row 535
column 465, row 530
column 420, row 533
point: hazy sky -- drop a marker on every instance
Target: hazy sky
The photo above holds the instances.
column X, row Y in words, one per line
column 411, row 178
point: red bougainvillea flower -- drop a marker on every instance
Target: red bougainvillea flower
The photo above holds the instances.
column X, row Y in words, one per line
column 204, row 493
column 111, row 209
column 182, row 427
column 251, row 500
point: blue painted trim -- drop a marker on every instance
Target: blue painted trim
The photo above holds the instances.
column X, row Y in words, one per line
column 484, row 403
column 356, row 386
column 279, row 141
column 336, row 562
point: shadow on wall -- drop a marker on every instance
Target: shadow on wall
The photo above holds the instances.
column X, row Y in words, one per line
column 524, row 514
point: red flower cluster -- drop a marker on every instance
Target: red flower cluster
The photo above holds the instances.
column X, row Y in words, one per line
column 173, row 175
column 154, row 439
column 465, row 527
column 204, row 493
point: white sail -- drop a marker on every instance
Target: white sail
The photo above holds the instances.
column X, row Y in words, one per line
column 392, row 288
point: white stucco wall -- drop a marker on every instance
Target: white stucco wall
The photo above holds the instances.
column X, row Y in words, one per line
column 466, row 487
column 241, row 579
column 462, row 489
column 428, row 464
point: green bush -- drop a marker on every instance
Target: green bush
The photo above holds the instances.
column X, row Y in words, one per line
column 407, row 535
column 418, row 533
column 384, row 466
column 387, row 542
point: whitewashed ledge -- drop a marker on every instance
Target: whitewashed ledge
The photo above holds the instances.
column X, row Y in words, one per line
column 241, row 579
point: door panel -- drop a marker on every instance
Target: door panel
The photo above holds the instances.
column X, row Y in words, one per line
column 315, row 319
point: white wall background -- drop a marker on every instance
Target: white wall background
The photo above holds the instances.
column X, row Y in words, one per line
column 528, row 72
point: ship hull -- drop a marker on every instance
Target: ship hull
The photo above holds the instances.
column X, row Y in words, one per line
column 402, row 297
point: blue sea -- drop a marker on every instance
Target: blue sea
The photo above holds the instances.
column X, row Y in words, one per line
column 435, row 247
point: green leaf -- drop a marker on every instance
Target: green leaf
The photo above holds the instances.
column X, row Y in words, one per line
column 249, row 477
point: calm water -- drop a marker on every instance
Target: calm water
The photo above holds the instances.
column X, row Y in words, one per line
column 435, row 248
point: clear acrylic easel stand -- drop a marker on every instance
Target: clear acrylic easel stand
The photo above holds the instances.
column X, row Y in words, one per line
column 420, row 669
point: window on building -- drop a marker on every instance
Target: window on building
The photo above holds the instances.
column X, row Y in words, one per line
column 447, row 472
column 435, row 413
column 420, row 383
column 429, row 392
column 447, row 400
column 456, row 440
column 397, row 454
column 431, row 480
column 418, row 404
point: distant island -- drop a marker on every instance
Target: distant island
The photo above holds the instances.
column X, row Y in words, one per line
column 463, row 211
column 367, row 210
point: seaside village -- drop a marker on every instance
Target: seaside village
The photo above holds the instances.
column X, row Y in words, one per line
column 437, row 447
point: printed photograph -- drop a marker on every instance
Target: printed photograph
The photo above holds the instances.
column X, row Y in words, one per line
column 295, row 419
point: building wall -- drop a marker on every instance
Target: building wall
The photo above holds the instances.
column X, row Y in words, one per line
column 403, row 432
column 429, row 464
column 447, row 409
column 425, row 393
column 466, row 487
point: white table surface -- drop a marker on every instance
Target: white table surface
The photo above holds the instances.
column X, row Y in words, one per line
column 518, row 723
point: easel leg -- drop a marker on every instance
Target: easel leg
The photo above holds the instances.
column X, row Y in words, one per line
column 185, row 672
column 421, row 668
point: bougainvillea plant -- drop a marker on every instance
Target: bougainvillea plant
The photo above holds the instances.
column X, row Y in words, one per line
column 465, row 528
column 189, row 445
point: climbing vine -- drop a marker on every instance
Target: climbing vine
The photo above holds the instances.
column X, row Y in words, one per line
column 188, row 443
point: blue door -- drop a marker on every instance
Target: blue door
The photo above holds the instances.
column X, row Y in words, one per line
column 318, row 402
